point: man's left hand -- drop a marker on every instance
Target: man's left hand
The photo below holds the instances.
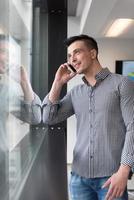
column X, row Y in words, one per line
column 117, row 183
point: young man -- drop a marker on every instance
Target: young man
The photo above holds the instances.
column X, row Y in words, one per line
column 104, row 109
column 26, row 108
column 30, row 104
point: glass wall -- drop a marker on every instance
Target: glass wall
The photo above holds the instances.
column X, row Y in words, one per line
column 17, row 149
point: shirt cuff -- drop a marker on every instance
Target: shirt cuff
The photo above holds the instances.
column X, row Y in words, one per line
column 35, row 101
column 46, row 101
column 128, row 160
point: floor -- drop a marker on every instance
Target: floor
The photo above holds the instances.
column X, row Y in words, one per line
column 131, row 188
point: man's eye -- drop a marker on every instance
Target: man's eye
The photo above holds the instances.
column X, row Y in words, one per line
column 78, row 51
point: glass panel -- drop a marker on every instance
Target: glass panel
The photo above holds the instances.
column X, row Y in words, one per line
column 18, row 147
column 4, row 25
column 19, row 54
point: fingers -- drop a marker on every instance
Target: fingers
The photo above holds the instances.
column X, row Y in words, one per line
column 71, row 73
column 63, row 74
column 64, row 70
column 113, row 193
column 107, row 183
column 69, row 67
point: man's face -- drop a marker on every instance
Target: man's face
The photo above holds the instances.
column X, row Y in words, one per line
column 80, row 56
column 4, row 56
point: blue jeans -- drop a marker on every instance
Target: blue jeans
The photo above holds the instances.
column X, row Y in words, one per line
column 89, row 188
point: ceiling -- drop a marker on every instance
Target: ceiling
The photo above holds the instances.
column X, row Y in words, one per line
column 97, row 15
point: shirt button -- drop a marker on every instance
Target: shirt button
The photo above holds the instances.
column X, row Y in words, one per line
column 91, row 157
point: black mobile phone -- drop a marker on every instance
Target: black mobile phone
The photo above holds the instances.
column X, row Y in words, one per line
column 72, row 68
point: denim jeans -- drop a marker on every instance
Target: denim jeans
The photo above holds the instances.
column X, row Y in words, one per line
column 89, row 188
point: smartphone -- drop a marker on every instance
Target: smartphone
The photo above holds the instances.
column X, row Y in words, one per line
column 72, row 68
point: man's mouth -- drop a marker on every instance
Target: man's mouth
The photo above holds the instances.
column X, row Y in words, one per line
column 77, row 65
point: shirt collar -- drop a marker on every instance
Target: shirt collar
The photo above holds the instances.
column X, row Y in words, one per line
column 100, row 76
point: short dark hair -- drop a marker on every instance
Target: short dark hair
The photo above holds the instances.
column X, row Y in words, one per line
column 89, row 41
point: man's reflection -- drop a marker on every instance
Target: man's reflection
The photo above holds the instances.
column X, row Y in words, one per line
column 3, row 116
column 24, row 104
column 29, row 106
column 3, row 54
column 3, row 90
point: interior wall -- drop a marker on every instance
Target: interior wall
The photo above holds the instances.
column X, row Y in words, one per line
column 73, row 26
column 110, row 50
column 24, row 10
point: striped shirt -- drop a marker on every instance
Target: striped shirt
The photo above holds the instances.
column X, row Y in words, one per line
column 105, row 123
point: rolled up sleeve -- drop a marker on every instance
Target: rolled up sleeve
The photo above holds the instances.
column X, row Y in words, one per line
column 127, row 107
column 57, row 112
column 29, row 112
column 128, row 150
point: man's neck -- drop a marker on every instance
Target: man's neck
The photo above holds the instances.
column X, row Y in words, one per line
column 90, row 75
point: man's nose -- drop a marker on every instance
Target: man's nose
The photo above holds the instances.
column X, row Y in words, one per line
column 73, row 59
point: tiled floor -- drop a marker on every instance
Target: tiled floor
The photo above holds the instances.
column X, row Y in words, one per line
column 130, row 184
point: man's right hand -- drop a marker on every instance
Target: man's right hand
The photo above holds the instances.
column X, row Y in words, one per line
column 64, row 74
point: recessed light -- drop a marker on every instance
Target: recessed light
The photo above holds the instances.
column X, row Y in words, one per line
column 118, row 27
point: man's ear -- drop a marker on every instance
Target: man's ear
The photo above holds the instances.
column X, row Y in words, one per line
column 93, row 53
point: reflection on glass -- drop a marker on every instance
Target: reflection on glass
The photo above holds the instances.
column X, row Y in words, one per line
column 3, row 91
column 3, row 116
column 11, row 93
column 16, row 147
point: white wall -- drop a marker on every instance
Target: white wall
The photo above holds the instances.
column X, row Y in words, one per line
column 115, row 49
column 73, row 26
column 24, row 10
column 109, row 51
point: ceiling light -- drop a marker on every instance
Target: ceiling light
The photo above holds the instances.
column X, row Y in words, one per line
column 118, row 27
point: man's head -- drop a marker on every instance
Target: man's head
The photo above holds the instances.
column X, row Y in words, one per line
column 89, row 41
column 82, row 52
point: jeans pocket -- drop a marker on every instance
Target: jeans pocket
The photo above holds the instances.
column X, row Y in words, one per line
column 74, row 179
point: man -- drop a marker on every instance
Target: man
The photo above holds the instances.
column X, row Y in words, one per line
column 104, row 109
column 24, row 104
column 30, row 104
column 26, row 108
